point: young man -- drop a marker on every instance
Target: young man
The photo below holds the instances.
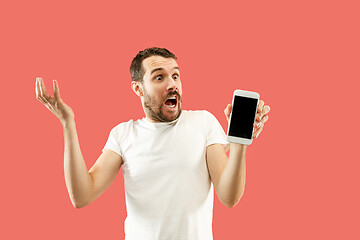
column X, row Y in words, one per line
column 171, row 158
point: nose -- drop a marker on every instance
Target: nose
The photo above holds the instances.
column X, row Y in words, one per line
column 171, row 85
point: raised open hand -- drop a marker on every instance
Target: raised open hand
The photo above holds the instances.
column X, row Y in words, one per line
column 55, row 104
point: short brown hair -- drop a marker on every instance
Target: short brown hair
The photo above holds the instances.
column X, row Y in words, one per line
column 136, row 69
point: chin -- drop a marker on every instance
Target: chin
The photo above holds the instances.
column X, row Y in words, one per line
column 172, row 116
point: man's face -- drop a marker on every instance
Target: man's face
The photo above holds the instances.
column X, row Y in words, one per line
column 161, row 86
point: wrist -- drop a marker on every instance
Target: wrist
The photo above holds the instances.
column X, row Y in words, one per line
column 237, row 147
column 66, row 123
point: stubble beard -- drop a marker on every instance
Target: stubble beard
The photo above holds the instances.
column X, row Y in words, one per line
column 153, row 109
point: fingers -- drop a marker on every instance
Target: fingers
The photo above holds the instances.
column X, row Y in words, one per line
column 265, row 110
column 264, row 119
column 261, row 110
column 261, row 118
column 39, row 93
column 42, row 96
column 43, row 90
column 258, row 131
column 260, row 106
column 260, row 121
column 227, row 111
column 56, row 90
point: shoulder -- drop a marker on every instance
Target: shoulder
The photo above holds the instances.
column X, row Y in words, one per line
column 121, row 127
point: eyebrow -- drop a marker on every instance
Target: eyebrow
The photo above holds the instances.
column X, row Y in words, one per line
column 158, row 69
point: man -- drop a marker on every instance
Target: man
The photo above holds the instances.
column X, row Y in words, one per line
column 171, row 158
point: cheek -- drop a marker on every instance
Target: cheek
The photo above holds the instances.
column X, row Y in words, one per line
column 179, row 86
column 158, row 94
column 151, row 91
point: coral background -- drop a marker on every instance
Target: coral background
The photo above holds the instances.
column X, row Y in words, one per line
column 301, row 56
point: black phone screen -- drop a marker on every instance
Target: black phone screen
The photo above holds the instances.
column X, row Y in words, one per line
column 242, row 117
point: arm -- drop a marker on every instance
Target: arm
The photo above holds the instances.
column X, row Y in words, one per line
column 84, row 186
column 228, row 174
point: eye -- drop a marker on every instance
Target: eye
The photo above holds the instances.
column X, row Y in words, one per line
column 159, row 77
column 175, row 76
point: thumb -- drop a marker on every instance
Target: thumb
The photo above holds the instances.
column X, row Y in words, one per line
column 227, row 111
column 56, row 90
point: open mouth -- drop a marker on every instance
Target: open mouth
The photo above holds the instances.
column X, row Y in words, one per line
column 171, row 102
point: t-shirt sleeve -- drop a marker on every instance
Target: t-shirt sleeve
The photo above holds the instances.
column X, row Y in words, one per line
column 113, row 141
column 215, row 132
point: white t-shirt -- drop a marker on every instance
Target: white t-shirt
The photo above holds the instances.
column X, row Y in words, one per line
column 169, row 193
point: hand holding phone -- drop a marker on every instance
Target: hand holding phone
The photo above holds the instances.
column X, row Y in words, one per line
column 242, row 117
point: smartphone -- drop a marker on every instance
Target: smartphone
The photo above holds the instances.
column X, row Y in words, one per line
column 242, row 117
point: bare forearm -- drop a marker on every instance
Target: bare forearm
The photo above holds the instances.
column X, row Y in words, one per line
column 232, row 181
column 78, row 180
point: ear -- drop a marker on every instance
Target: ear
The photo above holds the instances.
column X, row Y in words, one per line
column 137, row 88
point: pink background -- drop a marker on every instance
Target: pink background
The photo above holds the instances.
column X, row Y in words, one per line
column 301, row 56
